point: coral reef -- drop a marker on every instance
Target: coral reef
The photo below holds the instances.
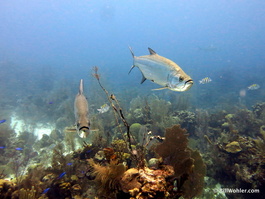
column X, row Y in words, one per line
column 146, row 183
column 259, row 110
column 27, row 193
column 195, row 183
column 187, row 120
column 6, row 188
column 174, row 150
column 189, row 169
column 128, row 154
column 107, row 177
column 240, row 161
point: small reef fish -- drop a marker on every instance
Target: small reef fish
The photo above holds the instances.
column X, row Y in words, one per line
column 205, row 80
column 81, row 113
column 253, row 87
column 46, row 191
column 103, row 109
column 162, row 71
column 2, row 121
column 61, row 175
column 18, row 148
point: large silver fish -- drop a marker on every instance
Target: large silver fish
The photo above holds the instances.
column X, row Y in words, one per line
column 162, row 71
column 81, row 113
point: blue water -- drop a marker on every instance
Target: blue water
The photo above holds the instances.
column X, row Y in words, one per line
column 47, row 47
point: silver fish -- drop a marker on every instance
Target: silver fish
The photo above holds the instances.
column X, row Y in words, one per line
column 104, row 108
column 253, row 87
column 162, row 71
column 81, row 113
column 205, row 80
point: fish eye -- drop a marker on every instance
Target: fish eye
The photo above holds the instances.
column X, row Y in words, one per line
column 181, row 79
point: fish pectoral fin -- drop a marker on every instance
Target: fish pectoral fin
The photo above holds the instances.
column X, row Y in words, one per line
column 157, row 89
column 143, row 79
column 71, row 129
column 151, row 51
column 94, row 130
column 131, row 69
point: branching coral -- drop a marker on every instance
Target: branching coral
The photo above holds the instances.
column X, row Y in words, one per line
column 159, row 108
column 118, row 113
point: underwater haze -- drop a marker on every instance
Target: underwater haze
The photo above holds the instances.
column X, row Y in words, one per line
column 46, row 47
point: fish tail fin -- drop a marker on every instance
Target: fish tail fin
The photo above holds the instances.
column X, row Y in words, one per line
column 81, row 87
column 133, row 57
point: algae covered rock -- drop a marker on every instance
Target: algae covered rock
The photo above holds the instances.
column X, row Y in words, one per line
column 146, row 183
column 262, row 131
column 154, row 162
column 233, row 147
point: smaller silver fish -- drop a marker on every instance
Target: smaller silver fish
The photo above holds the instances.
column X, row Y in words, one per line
column 103, row 109
column 205, row 80
column 81, row 113
column 253, row 87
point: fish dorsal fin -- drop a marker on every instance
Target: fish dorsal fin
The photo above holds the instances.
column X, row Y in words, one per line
column 131, row 51
column 81, row 87
column 152, row 52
